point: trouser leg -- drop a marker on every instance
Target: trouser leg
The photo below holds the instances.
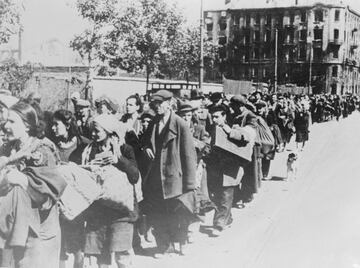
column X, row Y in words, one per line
column 223, row 199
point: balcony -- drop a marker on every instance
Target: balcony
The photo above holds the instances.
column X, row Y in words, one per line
column 317, row 43
column 335, row 42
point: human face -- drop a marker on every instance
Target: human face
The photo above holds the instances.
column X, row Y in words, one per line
column 98, row 133
column 160, row 107
column 218, row 118
column 187, row 116
column 103, row 109
column 15, row 127
column 84, row 112
column 59, row 128
column 3, row 114
column 131, row 106
column 145, row 123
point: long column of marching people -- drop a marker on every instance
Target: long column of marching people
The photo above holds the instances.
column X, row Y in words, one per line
column 181, row 158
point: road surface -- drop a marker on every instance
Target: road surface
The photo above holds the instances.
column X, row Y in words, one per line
column 313, row 221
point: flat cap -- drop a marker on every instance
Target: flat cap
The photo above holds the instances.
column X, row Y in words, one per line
column 162, row 95
column 238, row 99
column 185, row 107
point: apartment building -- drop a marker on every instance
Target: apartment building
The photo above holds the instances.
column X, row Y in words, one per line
column 311, row 44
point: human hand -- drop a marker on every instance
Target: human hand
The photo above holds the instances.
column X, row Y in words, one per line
column 150, row 154
column 226, row 128
column 15, row 177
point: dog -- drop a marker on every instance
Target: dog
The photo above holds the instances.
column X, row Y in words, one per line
column 292, row 166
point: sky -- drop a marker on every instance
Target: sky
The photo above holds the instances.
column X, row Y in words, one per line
column 49, row 25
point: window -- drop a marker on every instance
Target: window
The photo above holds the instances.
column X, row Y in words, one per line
column 292, row 19
column 222, row 40
column 303, row 34
column 318, row 34
column 256, row 53
column 209, row 27
column 257, row 19
column 317, row 53
column 247, row 38
column 264, row 73
column 223, row 25
column 247, row 20
column 336, row 34
column 337, row 15
column 336, row 54
column 257, row 36
column 319, row 15
column 303, row 16
column 268, row 20
column 302, row 53
column 334, row 71
column 267, row 37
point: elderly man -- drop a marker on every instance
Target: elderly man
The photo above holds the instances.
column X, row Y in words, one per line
column 169, row 186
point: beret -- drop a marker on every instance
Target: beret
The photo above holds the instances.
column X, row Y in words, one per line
column 161, row 95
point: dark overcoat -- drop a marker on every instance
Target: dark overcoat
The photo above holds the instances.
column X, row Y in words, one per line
column 177, row 158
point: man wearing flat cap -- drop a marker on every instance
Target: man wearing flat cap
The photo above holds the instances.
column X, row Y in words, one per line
column 83, row 117
column 169, row 186
column 243, row 117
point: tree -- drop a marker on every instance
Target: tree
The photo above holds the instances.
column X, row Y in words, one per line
column 14, row 76
column 134, row 35
column 183, row 57
column 9, row 20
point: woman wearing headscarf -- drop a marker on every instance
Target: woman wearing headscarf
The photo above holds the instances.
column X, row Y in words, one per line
column 30, row 188
column 109, row 230
column 66, row 136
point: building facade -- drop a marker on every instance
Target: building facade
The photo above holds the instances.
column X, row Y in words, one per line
column 310, row 44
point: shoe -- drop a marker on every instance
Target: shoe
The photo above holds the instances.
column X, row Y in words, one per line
column 216, row 232
column 184, row 249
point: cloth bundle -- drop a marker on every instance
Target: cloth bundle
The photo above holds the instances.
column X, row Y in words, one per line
column 81, row 190
column 117, row 191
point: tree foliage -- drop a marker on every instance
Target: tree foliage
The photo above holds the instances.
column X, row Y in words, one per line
column 9, row 19
column 183, row 60
column 14, row 76
column 146, row 36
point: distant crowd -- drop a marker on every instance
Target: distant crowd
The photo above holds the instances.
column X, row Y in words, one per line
column 96, row 183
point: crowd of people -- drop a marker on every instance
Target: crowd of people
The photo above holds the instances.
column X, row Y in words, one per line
column 182, row 157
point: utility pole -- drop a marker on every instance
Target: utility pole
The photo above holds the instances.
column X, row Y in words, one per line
column 276, row 59
column 201, row 76
column 310, row 64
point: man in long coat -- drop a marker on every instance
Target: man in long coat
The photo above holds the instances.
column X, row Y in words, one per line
column 169, row 197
